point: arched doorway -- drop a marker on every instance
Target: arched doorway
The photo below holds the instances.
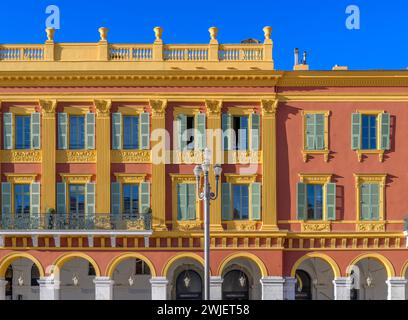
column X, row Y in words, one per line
column 235, row 285
column 22, row 277
column 189, row 285
column 132, row 280
column 303, row 288
column 314, row 278
column 76, row 280
column 369, row 276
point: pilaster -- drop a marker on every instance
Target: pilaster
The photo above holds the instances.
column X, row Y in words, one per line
column 272, row 288
column 396, row 288
column 49, row 288
column 159, row 288
column 216, row 288
column 342, row 288
column 103, row 288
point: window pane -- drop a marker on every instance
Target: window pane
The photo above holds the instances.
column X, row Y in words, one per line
column 77, row 199
column 22, row 199
column 22, row 132
column 76, row 132
column 240, row 202
column 369, row 132
column 131, row 132
column 314, row 202
column 130, row 199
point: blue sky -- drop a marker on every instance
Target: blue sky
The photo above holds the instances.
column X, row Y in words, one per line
column 317, row 26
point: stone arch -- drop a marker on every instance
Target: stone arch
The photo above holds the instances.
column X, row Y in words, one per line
column 9, row 259
column 129, row 255
column 311, row 255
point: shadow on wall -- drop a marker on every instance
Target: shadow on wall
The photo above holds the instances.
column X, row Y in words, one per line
column 339, row 198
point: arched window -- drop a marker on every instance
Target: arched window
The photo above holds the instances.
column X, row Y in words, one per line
column 235, row 286
column 35, row 275
column 141, row 268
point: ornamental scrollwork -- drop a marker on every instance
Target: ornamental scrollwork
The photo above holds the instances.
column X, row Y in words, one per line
column 134, row 156
column 158, row 107
column 103, row 107
column 213, row 107
column 269, row 107
column 22, row 156
column 189, row 226
column 315, row 227
column 71, row 156
column 48, row 107
column 371, row 227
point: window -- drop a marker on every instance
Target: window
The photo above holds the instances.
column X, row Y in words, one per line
column 316, row 197
column 77, row 132
column 370, row 201
column 190, row 133
column 141, row 267
column 241, row 130
column 186, row 194
column 130, row 132
column 189, row 129
column 23, row 132
column 77, row 199
column 241, row 202
column 369, row 132
column 240, row 127
column 314, row 201
column 315, row 134
column 22, row 199
column 130, row 199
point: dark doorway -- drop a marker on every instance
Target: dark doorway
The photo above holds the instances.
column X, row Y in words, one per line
column 188, row 286
column 9, row 285
column 303, row 286
column 235, row 286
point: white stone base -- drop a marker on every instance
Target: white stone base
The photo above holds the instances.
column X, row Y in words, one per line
column 103, row 288
column 216, row 288
column 342, row 288
column 3, row 284
column 272, row 288
column 396, row 288
column 159, row 288
column 49, row 288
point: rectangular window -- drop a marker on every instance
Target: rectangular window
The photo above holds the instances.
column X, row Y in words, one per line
column 240, row 200
column 77, row 199
column 186, row 194
column 368, row 132
column 130, row 132
column 22, row 199
column 240, row 127
column 77, row 132
column 370, row 201
column 130, row 200
column 315, row 135
column 23, row 132
column 314, row 195
column 190, row 133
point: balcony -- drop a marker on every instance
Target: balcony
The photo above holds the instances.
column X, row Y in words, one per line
column 63, row 225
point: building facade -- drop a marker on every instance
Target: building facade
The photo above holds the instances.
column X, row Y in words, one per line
column 99, row 200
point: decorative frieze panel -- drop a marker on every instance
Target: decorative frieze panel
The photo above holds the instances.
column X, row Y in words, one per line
column 186, row 226
column 242, row 225
column 371, row 227
column 188, row 157
column 242, row 157
column 76, row 156
column 131, row 156
column 21, row 156
column 316, row 227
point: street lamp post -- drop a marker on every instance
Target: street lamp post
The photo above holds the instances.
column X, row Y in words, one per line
column 206, row 195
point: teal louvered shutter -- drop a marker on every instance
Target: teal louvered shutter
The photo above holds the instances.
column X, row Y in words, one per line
column 8, row 130
column 301, row 201
column 116, row 131
column 35, row 130
column 374, row 201
column 319, row 131
column 6, row 199
column 90, row 200
column 310, row 131
column 365, row 200
column 356, row 131
column 181, row 201
column 62, row 131
column 61, row 198
column 331, row 201
column 35, row 204
column 144, row 197
column 191, row 202
column 115, row 198
column 226, row 124
column 200, row 139
column 255, row 131
column 226, row 197
column 144, row 130
column 385, row 131
column 181, row 132
column 90, row 131
column 256, row 200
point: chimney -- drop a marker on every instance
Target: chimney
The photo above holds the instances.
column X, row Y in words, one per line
column 302, row 66
column 296, row 56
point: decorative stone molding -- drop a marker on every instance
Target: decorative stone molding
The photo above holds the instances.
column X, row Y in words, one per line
column 130, row 177
column 213, row 107
column 269, row 107
column 18, row 178
column 371, row 227
column 182, row 178
column 242, row 225
column 315, row 227
column 240, row 178
column 73, row 178
column 21, row 156
column 76, row 156
column 187, row 157
column 242, row 157
column 48, row 107
column 189, row 225
column 102, row 107
column 158, row 107
column 317, row 178
column 131, row 156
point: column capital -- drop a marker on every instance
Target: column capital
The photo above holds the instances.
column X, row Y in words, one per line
column 158, row 108
column 213, row 107
column 103, row 280
column 272, row 280
column 159, row 280
column 343, row 281
column 103, row 107
column 216, row 280
column 269, row 107
column 396, row 281
column 48, row 107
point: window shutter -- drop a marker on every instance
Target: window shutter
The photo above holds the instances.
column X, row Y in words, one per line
column 62, row 131
column 226, row 123
column 35, row 130
column 356, row 131
column 8, row 130
column 256, row 200
column 90, row 200
column 116, row 131
column 181, row 132
column 6, row 199
column 385, row 131
column 365, row 199
column 144, row 197
column 310, row 132
column 301, row 201
column 331, row 201
column 319, row 131
column 35, row 204
column 61, row 198
column 90, row 131
column 374, row 201
column 144, row 129
column 226, row 192
column 200, row 141
column 255, row 133
column 115, row 198
column 181, row 201
column 191, row 199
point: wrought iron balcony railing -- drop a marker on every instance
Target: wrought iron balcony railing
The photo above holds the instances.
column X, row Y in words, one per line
column 69, row 221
